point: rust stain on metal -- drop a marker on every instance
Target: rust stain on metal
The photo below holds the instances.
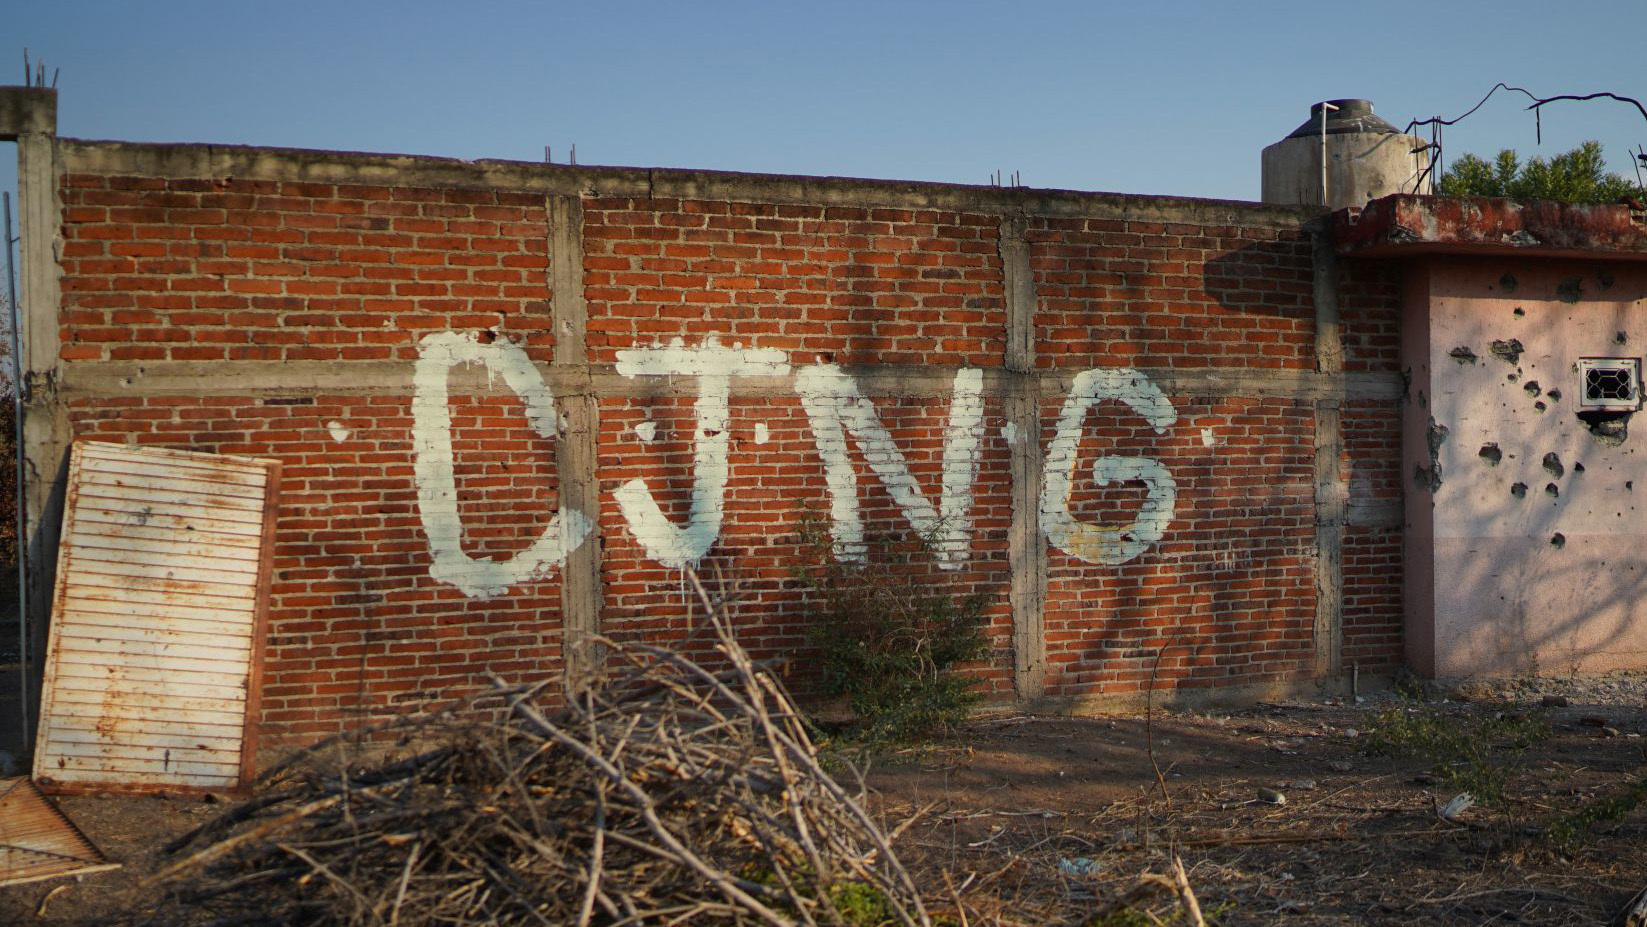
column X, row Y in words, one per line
column 153, row 671
column 37, row 841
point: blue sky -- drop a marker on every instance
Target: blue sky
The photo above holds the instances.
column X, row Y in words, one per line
column 1159, row 97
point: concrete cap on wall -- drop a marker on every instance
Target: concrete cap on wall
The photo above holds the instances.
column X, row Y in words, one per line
column 1405, row 225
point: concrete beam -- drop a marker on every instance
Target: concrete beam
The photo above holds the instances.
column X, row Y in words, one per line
column 212, row 161
column 257, row 378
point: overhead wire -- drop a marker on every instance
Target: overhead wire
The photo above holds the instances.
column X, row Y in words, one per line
column 1438, row 124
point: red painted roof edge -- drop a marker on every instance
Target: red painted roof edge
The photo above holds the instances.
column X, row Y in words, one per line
column 1407, row 224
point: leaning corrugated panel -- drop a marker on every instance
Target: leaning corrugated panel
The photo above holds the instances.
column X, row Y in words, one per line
column 153, row 669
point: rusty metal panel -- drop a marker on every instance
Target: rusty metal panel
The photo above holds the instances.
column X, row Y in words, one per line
column 153, row 670
column 37, row 841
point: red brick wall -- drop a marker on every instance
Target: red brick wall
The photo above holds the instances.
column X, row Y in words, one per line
column 1229, row 591
column 1149, row 294
column 842, row 285
column 207, row 270
column 1370, row 320
column 226, row 271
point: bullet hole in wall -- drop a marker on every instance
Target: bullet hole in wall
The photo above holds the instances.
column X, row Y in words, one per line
column 1578, row 467
column 1620, row 338
column 1463, row 355
column 1491, row 454
column 1519, row 312
column 1539, row 406
column 1508, row 351
column 1519, row 490
column 1434, row 436
column 1508, row 283
column 1532, row 388
column 1570, row 289
column 1552, row 465
column 1555, row 395
column 1552, row 490
column 1610, row 427
column 1558, row 540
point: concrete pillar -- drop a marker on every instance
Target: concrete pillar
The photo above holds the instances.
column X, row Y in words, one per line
column 1026, row 548
column 576, row 463
column 1331, row 495
column 28, row 115
column 1418, row 572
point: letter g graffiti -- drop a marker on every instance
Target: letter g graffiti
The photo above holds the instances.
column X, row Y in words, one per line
column 1096, row 543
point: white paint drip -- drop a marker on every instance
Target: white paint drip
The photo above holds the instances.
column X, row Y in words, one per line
column 647, row 431
column 762, row 433
column 835, row 406
column 433, row 476
column 1094, row 543
column 337, row 431
column 714, row 366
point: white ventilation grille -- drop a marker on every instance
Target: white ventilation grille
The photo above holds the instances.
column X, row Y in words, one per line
column 1610, row 383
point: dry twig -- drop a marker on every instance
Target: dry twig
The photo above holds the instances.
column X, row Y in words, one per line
column 665, row 792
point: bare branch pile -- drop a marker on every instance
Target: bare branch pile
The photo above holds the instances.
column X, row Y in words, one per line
column 669, row 793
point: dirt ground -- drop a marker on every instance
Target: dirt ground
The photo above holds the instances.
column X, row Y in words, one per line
column 1056, row 812
column 1028, row 820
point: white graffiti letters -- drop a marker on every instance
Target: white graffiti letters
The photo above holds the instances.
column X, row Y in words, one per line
column 1096, row 544
column 834, row 406
column 714, row 366
column 433, row 474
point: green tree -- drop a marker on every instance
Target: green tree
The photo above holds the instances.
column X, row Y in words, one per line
column 1577, row 176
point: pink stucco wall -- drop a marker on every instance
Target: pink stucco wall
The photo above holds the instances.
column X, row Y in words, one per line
column 1551, row 580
